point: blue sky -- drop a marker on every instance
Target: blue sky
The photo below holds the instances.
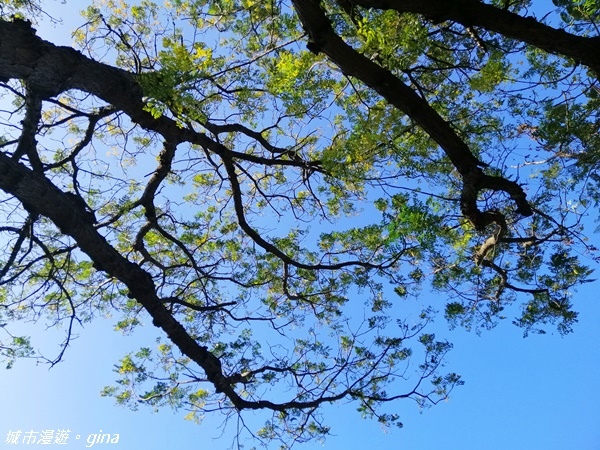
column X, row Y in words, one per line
column 535, row 393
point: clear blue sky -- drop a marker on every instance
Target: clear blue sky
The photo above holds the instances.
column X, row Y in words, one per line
column 535, row 393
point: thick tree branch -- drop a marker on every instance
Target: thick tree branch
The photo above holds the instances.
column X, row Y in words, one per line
column 51, row 70
column 322, row 38
column 40, row 196
column 27, row 142
column 526, row 29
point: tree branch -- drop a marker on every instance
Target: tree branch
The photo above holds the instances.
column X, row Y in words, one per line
column 477, row 13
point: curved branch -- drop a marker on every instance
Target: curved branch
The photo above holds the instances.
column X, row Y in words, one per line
column 23, row 233
column 27, row 143
column 526, row 29
column 38, row 194
column 323, row 39
column 256, row 237
column 198, row 308
column 51, row 70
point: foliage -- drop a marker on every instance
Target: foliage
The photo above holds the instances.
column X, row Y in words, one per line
column 272, row 183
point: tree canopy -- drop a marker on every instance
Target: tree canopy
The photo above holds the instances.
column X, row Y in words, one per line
column 273, row 184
